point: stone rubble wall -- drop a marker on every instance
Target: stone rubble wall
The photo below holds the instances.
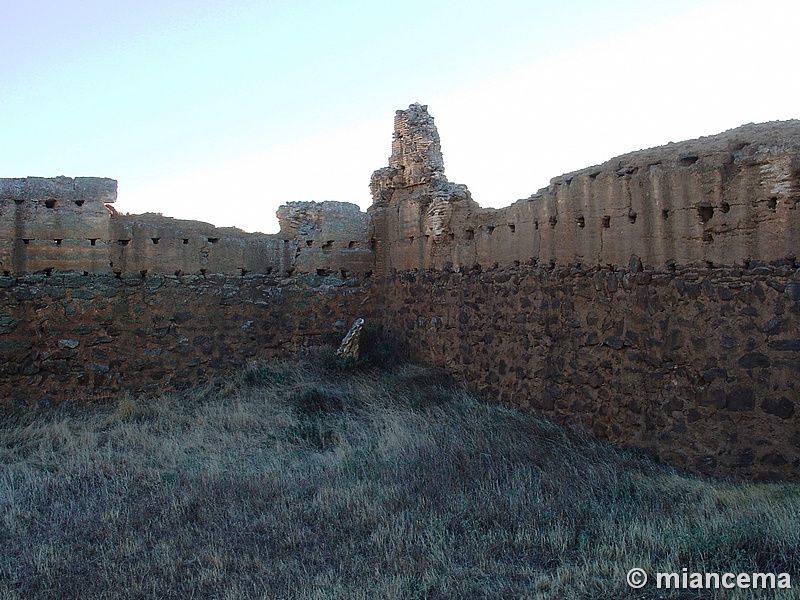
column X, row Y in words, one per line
column 700, row 367
column 70, row 337
column 94, row 303
column 653, row 301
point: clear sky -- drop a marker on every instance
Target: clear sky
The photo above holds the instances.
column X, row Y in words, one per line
column 222, row 110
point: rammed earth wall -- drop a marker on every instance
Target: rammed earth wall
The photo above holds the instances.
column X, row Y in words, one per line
column 653, row 300
column 68, row 337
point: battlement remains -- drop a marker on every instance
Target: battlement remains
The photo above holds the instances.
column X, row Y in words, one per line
column 652, row 300
column 55, row 223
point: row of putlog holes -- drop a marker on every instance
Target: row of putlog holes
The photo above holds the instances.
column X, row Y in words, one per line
column 704, row 212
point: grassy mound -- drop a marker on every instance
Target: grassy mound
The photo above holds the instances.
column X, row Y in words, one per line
column 320, row 480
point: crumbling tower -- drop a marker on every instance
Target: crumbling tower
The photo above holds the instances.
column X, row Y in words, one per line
column 413, row 202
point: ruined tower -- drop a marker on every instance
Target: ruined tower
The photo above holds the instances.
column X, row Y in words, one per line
column 414, row 204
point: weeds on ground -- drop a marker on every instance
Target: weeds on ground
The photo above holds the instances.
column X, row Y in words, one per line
column 303, row 480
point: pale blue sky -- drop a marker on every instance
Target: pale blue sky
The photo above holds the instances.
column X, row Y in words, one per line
column 221, row 111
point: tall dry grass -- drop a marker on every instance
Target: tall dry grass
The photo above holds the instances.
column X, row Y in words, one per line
column 315, row 480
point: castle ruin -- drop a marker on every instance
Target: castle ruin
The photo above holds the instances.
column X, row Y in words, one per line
column 653, row 300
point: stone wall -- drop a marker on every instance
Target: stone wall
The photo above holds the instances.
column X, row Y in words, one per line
column 70, row 336
column 94, row 302
column 700, row 367
column 328, row 237
column 653, row 301
column 55, row 224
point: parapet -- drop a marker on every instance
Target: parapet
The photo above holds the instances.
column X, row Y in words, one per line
column 55, row 224
column 331, row 237
column 57, row 192
column 63, row 224
column 724, row 200
column 728, row 199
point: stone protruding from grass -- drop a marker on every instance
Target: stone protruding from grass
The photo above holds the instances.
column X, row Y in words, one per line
column 349, row 347
column 305, row 480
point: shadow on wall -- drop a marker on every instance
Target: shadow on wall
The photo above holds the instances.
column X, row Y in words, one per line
column 653, row 301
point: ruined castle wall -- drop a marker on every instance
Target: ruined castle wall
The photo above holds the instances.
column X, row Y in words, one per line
column 152, row 243
column 700, row 367
column 55, row 224
column 653, row 301
column 600, row 300
column 68, row 225
column 68, row 336
column 722, row 200
column 93, row 302
column 329, row 237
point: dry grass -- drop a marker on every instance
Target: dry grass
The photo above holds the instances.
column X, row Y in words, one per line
column 303, row 481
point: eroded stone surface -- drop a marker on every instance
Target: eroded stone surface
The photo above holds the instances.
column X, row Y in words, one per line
column 350, row 346
column 724, row 200
column 49, row 224
column 653, row 300
column 330, row 237
column 64, row 224
column 70, row 336
column 416, row 210
column 669, row 365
